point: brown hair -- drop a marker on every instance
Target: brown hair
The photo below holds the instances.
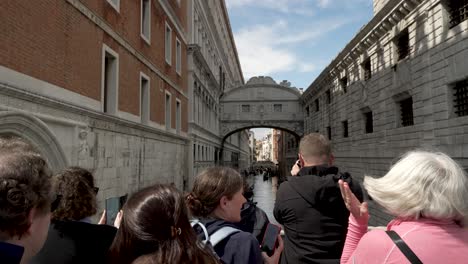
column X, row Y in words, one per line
column 78, row 200
column 24, row 185
column 155, row 229
column 314, row 145
column 210, row 186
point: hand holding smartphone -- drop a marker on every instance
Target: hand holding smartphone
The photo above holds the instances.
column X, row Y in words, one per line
column 270, row 239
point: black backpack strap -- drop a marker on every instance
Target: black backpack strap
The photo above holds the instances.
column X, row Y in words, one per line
column 409, row 254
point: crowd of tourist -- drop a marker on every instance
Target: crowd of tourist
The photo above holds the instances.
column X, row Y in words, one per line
column 46, row 218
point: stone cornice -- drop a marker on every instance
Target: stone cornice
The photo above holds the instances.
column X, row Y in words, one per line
column 382, row 23
column 195, row 50
column 131, row 127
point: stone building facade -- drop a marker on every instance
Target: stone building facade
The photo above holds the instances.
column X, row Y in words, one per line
column 214, row 68
column 400, row 84
column 99, row 84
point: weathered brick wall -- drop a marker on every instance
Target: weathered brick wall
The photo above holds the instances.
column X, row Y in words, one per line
column 438, row 58
column 55, row 42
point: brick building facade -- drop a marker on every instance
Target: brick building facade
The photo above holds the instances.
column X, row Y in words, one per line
column 99, row 84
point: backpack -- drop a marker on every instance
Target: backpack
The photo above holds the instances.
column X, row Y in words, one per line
column 218, row 236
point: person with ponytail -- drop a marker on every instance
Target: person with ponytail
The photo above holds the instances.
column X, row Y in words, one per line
column 216, row 201
column 155, row 229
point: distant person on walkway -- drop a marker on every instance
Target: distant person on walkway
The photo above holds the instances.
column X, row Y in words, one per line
column 72, row 237
column 216, row 201
column 310, row 206
column 427, row 193
column 25, row 201
column 155, row 229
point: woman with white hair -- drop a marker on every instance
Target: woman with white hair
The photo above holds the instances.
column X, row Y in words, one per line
column 428, row 195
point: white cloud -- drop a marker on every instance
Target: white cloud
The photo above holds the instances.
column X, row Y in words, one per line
column 299, row 7
column 268, row 49
column 307, row 67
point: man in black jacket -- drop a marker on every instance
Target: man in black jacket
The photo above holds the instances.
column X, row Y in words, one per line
column 310, row 206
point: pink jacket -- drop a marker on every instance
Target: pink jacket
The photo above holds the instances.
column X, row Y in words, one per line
column 431, row 240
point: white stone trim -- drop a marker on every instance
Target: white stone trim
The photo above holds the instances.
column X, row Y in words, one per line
column 178, row 116
column 116, row 6
column 17, row 79
column 129, row 117
column 168, row 46
column 168, row 125
column 173, row 18
column 148, row 100
column 106, row 49
column 178, row 57
column 34, row 130
column 142, row 35
column 100, row 23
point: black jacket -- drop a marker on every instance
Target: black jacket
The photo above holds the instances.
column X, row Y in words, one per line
column 71, row 242
column 312, row 211
column 240, row 247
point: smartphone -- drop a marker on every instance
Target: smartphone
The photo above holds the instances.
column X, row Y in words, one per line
column 270, row 239
column 113, row 206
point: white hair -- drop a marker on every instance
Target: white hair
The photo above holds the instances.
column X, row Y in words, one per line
column 422, row 184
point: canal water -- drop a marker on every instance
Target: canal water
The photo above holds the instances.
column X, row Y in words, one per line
column 265, row 194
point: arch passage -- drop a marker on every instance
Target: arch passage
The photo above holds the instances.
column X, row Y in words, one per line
column 261, row 103
column 35, row 132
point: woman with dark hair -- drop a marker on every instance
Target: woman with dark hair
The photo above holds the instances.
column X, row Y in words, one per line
column 72, row 237
column 216, row 201
column 155, row 229
column 25, row 201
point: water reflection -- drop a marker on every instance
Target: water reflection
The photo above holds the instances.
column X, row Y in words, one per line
column 265, row 194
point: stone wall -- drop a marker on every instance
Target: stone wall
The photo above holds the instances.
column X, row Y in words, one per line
column 438, row 58
column 124, row 156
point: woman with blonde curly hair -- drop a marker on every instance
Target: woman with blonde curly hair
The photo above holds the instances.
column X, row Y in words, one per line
column 427, row 193
column 72, row 237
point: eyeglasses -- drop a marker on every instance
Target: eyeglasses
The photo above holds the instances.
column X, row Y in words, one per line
column 54, row 205
column 96, row 190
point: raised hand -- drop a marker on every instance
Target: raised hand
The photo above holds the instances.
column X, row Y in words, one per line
column 360, row 211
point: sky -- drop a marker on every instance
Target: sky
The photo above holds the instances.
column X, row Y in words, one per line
column 293, row 40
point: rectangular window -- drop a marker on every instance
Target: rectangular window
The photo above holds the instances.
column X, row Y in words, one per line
column 366, row 67
column 329, row 133
column 460, row 98
column 277, row 108
column 458, row 11
column 115, row 4
column 145, row 20
column 317, row 105
column 406, row 112
column 345, row 128
column 110, row 80
column 245, row 108
column 308, row 111
column 168, row 44
column 178, row 57
column 402, row 44
column 328, row 95
column 168, row 111
column 144, row 98
column 369, row 122
column 178, row 116
column 344, row 83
